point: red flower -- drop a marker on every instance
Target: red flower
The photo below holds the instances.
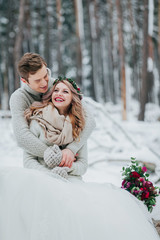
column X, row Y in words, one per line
column 148, row 184
column 134, row 174
column 141, row 179
column 144, row 169
column 144, row 195
column 123, row 182
column 78, row 89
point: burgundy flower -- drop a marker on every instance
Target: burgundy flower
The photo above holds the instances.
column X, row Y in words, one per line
column 134, row 174
column 145, row 195
column 141, row 179
column 137, row 182
column 123, row 182
column 136, row 191
column 144, row 169
column 128, row 185
column 148, row 184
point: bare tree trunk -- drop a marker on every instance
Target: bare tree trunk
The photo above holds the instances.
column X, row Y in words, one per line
column 159, row 45
column 106, row 60
column 91, row 51
column 5, row 96
column 159, row 28
column 144, row 88
column 122, row 59
column 18, row 41
column 134, row 53
column 37, row 28
column 1, row 87
column 94, row 48
column 59, row 28
column 27, row 46
column 80, row 39
column 96, row 53
column 47, row 34
column 150, row 81
column 110, row 49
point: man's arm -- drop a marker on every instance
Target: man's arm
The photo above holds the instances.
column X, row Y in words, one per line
column 90, row 124
column 25, row 138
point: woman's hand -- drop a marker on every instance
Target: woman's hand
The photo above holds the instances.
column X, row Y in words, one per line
column 67, row 158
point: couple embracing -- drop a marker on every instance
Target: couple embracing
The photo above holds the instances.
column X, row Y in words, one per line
column 47, row 199
column 54, row 137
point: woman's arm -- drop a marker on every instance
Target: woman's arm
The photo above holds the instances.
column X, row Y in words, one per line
column 79, row 167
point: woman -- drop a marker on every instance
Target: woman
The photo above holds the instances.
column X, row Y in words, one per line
column 36, row 206
column 57, row 121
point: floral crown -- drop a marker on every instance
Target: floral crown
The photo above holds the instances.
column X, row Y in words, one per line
column 74, row 84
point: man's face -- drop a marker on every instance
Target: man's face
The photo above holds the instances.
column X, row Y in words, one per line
column 39, row 80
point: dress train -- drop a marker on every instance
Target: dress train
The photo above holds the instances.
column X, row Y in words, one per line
column 35, row 206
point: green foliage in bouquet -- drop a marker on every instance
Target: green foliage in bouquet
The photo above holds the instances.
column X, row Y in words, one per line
column 135, row 181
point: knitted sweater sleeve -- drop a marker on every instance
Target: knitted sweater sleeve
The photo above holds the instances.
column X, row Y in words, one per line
column 30, row 161
column 25, row 138
column 90, row 124
column 80, row 166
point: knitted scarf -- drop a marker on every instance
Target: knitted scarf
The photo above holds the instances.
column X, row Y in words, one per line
column 57, row 128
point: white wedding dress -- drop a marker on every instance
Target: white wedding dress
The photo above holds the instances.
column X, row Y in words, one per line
column 35, row 206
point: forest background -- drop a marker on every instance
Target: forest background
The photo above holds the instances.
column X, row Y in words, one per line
column 110, row 47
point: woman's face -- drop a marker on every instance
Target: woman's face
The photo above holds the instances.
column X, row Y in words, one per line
column 62, row 98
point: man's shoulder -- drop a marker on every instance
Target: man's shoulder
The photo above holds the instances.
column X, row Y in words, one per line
column 18, row 97
column 18, row 92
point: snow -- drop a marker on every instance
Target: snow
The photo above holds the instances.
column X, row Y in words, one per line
column 111, row 145
column 150, row 64
column 150, row 17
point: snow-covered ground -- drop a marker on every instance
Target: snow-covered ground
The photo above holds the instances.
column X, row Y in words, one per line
column 111, row 145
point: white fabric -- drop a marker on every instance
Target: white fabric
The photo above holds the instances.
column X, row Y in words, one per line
column 34, row 206
column 155, row 214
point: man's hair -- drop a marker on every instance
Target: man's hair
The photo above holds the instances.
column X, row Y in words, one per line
column 30, row 63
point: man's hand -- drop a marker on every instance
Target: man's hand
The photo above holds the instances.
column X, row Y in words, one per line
column 67, row 158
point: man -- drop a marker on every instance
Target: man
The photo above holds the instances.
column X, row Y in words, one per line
column 36, row 82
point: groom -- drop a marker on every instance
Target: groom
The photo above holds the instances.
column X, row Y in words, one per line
column 37, row 81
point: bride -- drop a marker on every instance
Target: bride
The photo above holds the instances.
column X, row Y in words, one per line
column 49, row 201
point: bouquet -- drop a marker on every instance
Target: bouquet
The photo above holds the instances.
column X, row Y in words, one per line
column 135, row 181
